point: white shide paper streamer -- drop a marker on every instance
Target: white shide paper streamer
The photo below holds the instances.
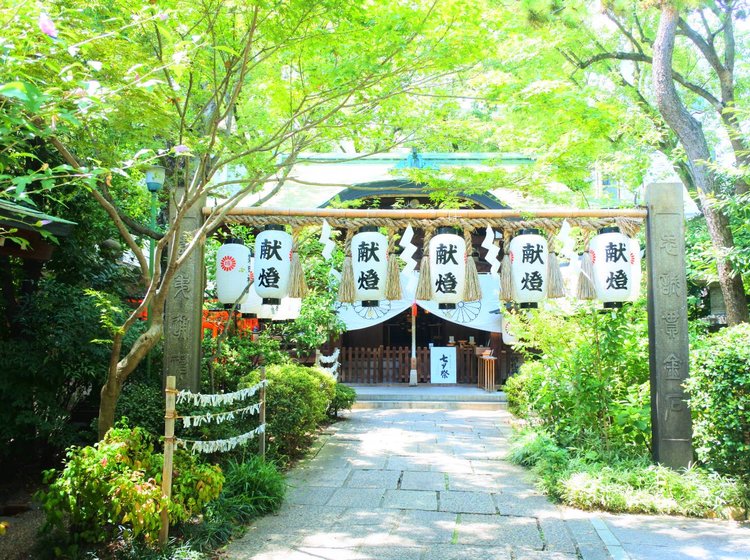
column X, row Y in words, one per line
column 407, row 255
column 221, row 399
column 492, row 251
column 219, row 417
column 219, row 445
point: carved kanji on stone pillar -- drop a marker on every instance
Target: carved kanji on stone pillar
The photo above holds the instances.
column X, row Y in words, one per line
column 667, row 325
column 182, row 322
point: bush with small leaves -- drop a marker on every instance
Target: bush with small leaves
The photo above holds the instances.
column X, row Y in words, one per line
column 114, row 488
column 343, row 399
column 719, row 388
column 298, row 398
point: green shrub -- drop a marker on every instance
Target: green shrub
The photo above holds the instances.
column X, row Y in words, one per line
column 298, row 398
column 142, row 404
column 227, row 360
column 343, row 399
column 522, row 387
column 115, row 486
column 583, row 379
column 591, row 480
column 252, row 488
column 719, row 388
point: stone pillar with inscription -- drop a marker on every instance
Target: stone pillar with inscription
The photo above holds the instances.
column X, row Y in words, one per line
column 183, row 319
column 671, row 425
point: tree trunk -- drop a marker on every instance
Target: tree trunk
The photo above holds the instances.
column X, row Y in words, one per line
column 120, row 369
column 109, row 394
column 691, row 136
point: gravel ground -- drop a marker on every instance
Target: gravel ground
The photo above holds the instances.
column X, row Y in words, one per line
column 20, row 536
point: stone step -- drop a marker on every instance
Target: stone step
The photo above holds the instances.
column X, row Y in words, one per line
column 432, row 405
column 450, row 397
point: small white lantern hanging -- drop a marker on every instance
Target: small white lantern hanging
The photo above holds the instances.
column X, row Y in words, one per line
column 447, row 267
column 273, row 256
column 232, row 272
column 528, row 254
column 370, row 264
column 612, row 258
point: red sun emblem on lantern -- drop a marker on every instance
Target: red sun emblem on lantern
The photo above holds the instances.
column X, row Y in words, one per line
column 228, row 263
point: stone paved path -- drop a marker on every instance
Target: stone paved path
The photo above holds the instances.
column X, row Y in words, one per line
column 417, row 484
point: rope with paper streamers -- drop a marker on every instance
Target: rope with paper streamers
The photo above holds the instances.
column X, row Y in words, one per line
column 629, row 226
column 472, row 289
column 221, row 399
column 219, row 445
column 219, row 417
column 393, row 275
column 333, row 359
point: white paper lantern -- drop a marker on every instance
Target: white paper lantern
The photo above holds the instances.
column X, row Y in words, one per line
column 612, row 258
column 273, row 257
column 447, row 267
column 528, row 256
column 232, row 272
column 369, row 261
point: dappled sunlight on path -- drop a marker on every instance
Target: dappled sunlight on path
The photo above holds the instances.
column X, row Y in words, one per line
column 412, row 484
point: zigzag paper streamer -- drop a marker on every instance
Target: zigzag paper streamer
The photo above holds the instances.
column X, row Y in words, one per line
column 325, row 239
column 409, row 249
column 492, row 251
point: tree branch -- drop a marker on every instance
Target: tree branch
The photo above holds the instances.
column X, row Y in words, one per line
column 676, row 76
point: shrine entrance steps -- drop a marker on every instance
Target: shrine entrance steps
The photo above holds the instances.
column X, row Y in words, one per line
column 443, row 397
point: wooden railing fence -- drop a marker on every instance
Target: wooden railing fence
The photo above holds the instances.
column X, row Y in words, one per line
column 391, row 365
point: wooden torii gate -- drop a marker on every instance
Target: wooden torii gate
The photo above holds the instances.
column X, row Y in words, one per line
column 667, row 292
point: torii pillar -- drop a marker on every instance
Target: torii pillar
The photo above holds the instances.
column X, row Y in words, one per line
column 671, row 425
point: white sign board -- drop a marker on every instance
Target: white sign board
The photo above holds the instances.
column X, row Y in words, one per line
column 443, row 364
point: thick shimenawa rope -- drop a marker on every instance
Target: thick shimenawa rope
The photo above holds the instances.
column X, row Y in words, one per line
column 297, row 283
column 346, row 287
column 506, row 278
column 555, row 286
column 393, row 272
column 424, row 285
column 629, row 226
column 472, row 289
column 586, row 288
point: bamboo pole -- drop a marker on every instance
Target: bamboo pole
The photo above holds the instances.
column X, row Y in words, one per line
column 262, row 439
column 418, row 214
column 166, row 476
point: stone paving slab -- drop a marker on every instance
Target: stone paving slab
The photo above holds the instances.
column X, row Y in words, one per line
column 420, row 527
column 357, row 497
column 414, row 480
column 467, row 502
column 492, row 530
column 410, row 499
column 374, row 479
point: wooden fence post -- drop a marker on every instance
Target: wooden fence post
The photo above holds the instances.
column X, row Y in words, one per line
column 262, row 443
column 166, row 476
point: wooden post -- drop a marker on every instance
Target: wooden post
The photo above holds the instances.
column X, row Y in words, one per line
column 166, row 476
column 413, row 371
column 262, row 442
column 668, row 325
